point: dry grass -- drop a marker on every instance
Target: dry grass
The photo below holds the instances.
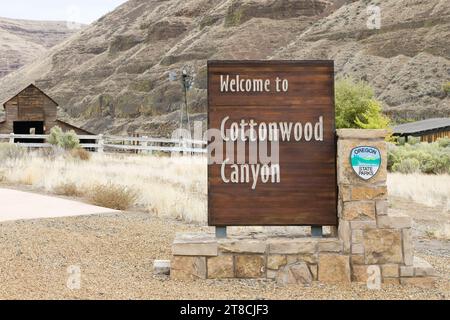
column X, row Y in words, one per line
column 112, row 196
column 80, row 154
column 430, row 190
column 167, row 186
column 67, row 189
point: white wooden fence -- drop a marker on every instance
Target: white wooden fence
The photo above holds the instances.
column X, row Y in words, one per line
column 118, row 143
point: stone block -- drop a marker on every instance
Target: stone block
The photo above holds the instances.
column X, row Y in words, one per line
column 363, row 225
column 377, row 134
column 394, row 222
column 308, row 258
column 408, row 247
column 346, row 175
column 294, row 274
column 357, row 236
column 188, row 268
column 422, row 268
column 272, row 274
column 330, row 245
column 391, row 281
column 358, row 248
column 276, row 261
column 345, row 193
column 368, row 193
column 242, row 246
column 357, row 259
column 314, row 268
column 381, row 207
column 334, row 268
column 406, row 271
column 358, row 210
column 161, row 267
column 192, row 244
column 220, row 267
column 421, row 282
column 250, row 266
column 383, row 246
column 345, row 234
column 390, row 270
column 359, row 273
column 292, row 246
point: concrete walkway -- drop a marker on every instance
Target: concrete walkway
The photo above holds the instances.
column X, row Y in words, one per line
column 19, row 205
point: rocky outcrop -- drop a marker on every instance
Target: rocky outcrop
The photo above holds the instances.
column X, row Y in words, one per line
column 114, row 75
column 22, row 41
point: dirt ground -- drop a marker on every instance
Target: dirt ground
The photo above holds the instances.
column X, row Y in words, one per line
column 115, row 254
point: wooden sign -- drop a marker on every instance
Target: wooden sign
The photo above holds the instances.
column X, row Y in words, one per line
column 272, row 150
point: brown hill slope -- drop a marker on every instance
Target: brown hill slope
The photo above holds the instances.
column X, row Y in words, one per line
column 113, row 76
column 22, row 41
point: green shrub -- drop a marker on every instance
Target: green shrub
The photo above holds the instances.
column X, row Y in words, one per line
column 356, row 106
column 407, row 166
column 443, row 142
column 11, row 151
column 432, row 158
column 446, row 87
column 65, row 140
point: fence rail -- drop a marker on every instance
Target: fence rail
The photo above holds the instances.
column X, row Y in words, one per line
column 116, row 143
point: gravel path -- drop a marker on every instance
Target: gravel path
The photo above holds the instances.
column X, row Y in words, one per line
column 115, row 253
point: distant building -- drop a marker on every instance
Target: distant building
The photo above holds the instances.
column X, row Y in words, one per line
column 32, row 111
column 428, row 130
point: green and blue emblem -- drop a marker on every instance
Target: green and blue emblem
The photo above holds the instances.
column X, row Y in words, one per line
column 365, row 161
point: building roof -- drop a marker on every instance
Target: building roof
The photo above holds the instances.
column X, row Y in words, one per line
column 422, row 126
column 31, row 85
column 73, row 127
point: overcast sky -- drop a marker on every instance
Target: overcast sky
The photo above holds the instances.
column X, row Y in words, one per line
column 84, row 11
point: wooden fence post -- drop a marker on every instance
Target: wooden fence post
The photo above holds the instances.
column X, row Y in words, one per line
column 11, row 138
column 100, row 143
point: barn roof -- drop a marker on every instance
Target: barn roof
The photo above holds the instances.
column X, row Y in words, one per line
column 31, row 85
column 74, row 127
column 422, row 126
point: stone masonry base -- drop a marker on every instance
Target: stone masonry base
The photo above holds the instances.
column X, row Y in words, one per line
column 369, row 240
column 285, row 260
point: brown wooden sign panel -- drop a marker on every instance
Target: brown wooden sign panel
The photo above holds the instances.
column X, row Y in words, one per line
column 288, row 105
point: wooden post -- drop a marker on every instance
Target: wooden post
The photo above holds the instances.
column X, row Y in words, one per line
column 11, row 138
column 184, row 145
column 100, row 143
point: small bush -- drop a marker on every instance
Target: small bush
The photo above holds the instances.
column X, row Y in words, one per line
column 69, row 189
column 11, row 152
column 66, row 140
column 444, row 142
column 356, row 106
column 407, row 166
column 113, row 196
column 446, row 87
column 80, row 154
column 433, row 158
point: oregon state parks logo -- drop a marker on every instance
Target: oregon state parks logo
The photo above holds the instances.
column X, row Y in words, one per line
column 365, row 161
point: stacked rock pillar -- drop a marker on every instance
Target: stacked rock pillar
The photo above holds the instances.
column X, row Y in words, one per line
column 371, row 236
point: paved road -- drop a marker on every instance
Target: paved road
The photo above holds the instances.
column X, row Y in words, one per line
column 18, row 205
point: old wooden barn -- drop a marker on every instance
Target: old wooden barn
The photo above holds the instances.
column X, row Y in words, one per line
column 32, row 111
column 428, row 130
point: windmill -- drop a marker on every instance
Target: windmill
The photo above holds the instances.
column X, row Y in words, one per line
column 187, row 77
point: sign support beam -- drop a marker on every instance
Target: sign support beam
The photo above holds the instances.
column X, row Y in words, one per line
column 221, row 232
column 317, row 232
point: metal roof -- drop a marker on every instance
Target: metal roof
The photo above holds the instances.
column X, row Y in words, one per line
column 421, row 126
